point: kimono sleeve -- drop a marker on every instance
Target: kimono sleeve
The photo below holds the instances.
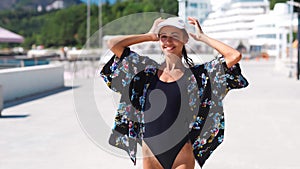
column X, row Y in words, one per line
column 118, row 72
column 231, row 78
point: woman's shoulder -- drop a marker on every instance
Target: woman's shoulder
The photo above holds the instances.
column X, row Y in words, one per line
column 198, row 66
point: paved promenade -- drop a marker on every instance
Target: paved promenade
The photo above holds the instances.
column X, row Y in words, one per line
column 262, row 126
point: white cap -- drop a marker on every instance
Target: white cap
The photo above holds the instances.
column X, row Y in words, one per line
column 173, row 21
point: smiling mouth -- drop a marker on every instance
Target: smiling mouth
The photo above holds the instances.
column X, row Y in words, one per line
column 170, row 48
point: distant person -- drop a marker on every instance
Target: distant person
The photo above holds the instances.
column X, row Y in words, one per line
column 174, row 109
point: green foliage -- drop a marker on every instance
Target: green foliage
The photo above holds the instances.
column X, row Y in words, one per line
column 273, row 2
column 31, row 4
column 67, row 27
column 133, row 24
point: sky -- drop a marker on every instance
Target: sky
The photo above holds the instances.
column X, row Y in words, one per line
column 213, row 2
column 96, row 1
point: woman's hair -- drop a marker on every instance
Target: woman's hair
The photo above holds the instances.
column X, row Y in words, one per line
column 187, row 59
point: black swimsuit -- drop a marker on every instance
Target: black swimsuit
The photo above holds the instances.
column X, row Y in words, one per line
column 166, row 127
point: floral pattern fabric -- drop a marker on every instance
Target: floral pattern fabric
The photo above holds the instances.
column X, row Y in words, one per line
column 131, row 75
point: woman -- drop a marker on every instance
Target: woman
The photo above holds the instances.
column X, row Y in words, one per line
column 174, row 109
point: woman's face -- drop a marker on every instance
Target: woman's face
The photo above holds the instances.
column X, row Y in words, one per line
column 172, row 40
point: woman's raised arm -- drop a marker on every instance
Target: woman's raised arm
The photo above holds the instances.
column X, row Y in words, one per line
column 118, row 44
column 231, row 55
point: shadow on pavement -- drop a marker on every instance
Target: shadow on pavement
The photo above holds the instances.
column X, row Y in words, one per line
column 13, row 116
column 34, row 97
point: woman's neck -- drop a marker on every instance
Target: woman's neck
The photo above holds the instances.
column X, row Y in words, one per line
column 171, row 70
column 173, row 63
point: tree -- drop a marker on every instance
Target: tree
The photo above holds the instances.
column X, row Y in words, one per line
column 273, row 2
column 67, row 27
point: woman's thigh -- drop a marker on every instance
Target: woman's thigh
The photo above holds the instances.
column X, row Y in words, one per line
column 149, row 160
column 185, row 158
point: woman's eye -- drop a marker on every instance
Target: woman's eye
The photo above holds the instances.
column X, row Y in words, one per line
column 163, row 37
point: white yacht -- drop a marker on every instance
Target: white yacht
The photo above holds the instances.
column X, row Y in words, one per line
column 233, row 22
column 270, row 35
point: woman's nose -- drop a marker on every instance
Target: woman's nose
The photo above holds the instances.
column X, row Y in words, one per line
column 169, row 39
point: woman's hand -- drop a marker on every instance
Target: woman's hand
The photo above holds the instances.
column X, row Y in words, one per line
column 198, row 35
column 231, row 55
column 119, row 43
column 153, row 28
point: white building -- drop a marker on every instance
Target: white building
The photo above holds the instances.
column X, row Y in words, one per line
column 39, row 8
column 250, row 23
column 194, row 8
column 233, row 22
column 270, row 34
column 58, row 4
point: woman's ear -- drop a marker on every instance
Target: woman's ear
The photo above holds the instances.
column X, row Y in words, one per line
column 185, row 39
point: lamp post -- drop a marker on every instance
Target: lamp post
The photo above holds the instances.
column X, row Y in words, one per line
column 88, row 24
column 100, row 23
column 296, row 8
column 291, row 10
column 182, row 8
column 298, row 37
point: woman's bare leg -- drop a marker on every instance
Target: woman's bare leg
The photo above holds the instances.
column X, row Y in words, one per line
column 185, row 158
column 149, row 160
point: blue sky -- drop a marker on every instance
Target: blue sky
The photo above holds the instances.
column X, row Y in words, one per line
column 213, row 2
column 96, row 1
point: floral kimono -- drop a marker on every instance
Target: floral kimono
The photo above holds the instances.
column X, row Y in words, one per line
column 207, row 84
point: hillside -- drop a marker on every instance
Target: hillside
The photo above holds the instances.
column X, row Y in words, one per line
column 67, row 27
column 31, row 4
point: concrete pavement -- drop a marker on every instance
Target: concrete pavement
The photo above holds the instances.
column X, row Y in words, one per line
column 261, row 128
